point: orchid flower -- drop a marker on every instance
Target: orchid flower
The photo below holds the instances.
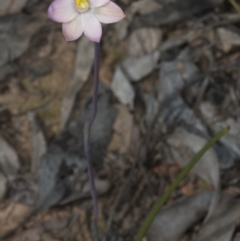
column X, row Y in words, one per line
column 84, row 16
column 78, row 17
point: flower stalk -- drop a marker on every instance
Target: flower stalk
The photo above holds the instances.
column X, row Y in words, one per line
column 87, row 132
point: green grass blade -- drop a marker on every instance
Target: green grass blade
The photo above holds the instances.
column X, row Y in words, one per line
column 235, row 5
column 157, row 207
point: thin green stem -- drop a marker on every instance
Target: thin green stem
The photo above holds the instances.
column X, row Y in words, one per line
column 235, row 5
column 157, row 207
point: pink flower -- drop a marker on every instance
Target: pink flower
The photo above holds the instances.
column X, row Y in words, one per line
column 80, row 16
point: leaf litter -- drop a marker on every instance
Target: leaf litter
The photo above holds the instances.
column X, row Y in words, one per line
column 171, row 70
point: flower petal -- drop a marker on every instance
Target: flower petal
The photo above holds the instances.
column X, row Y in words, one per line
column 62, row 11
column 91, row 26
column 97, row 3
column 109, row 13
column 74, row 29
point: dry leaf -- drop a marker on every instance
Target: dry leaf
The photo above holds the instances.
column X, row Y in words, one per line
column 14, row 43
column 3, row 186
column 145, row 6
column 174, row 75
column 9, row 163
column 231, row 140
column 184, row 146
column 39, row 145
column 11, row 216
column 122, row 88
column 222, row 222
column 9, row 7
column 123, row 128
column 228, row 39
column 144, row 41
column 173, row 221
column 102, row 186
column 83, row 66
column 137, row 68
column 33, row 234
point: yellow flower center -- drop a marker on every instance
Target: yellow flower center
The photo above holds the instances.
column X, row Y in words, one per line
column 82, row 5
